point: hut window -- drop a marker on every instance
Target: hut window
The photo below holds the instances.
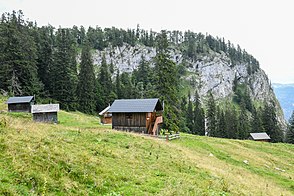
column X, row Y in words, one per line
column 129, row 116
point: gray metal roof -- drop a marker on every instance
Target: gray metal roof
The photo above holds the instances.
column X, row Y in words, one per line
column 260, row 136
column 25, row 99
column 45, row 108
column 135, row 105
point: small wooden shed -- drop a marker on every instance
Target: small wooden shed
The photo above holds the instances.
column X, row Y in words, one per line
column 20, row 104
column 263, row 137
column 138, row 115
column 45, row 113
column 105, row 116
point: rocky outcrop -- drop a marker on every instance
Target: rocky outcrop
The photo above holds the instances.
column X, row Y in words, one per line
column 211, row 73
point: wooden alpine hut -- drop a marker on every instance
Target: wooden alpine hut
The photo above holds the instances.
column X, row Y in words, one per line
column 105, row 116
column 20, row 104
column 263, row 137
column 138, row 115
column 45, row 113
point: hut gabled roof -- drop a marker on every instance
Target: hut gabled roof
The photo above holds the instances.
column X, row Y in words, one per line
column 135, row 105
column 24, row 99
column 260, row 136
column 45, row 108
column 104, row 111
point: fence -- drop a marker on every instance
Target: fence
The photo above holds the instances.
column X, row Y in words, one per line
column 169, row 137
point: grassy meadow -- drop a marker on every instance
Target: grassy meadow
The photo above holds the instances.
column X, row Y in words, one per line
column 79, row 156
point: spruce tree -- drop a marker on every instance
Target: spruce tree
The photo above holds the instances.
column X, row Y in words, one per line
column 127, row 86
column 86, row 85
column 256, row 121
column 104, row 78
column 290, row 130
column 199, row 116
column 190, row 115
column 270, row 122
column 150, row 91
column 244, row 127
column 18, row 70
column 211, row 115
column 167, row 83
column 118, row 85
column 221, row 124
column 217, row 132
column 64, row 71
column 231, row 123
column 45, row 45
column 143, row 72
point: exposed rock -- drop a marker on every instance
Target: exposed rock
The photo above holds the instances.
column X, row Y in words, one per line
column 213, row 72
column 246, row 162
column 282, row 170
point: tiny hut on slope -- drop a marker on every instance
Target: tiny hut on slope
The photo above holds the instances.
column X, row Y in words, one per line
column 20, row 104
column 45, row 113
column 138, row 115
column 105, row 116
column 260, row 137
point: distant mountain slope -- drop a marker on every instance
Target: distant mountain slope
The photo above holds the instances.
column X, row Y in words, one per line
column 81, row 157
column 285, row 95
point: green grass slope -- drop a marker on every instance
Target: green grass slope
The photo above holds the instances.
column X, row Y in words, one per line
column 81, row 157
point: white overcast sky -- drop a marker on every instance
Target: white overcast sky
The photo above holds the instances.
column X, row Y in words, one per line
column 264, row 28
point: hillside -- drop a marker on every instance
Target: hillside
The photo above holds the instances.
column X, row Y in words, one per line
column 200, row 78
column 81, row 157
column 211, row 71
column 284, row 93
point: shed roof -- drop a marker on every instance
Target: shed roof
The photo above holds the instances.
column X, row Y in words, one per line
column 45, row 108
column 25, row 99
column 260, row 136
column 135, row 105
column 104, row 111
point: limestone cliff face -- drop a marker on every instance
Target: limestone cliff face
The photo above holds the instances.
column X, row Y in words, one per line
column 212, row 72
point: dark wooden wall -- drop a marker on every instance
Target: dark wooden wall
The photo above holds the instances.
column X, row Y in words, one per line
column 129, row 122
column 19, row 107
column 50, row 117
column 264, row 140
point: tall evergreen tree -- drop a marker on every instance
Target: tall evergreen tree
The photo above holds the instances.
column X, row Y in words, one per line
column 64, row 70
column 105, row 81
column 211, row 116
column 190, row 115
column 18, row 70
column 127, row 86
column 290, row 130
column 199, row 116
column 143, row 72
column 244, row 127
column 256, row 121
column 221, row 124
column 118, row 85
column 270, row 122
column 167, row 83
column 231, row 123
column 86, row 85
column 45, row 45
